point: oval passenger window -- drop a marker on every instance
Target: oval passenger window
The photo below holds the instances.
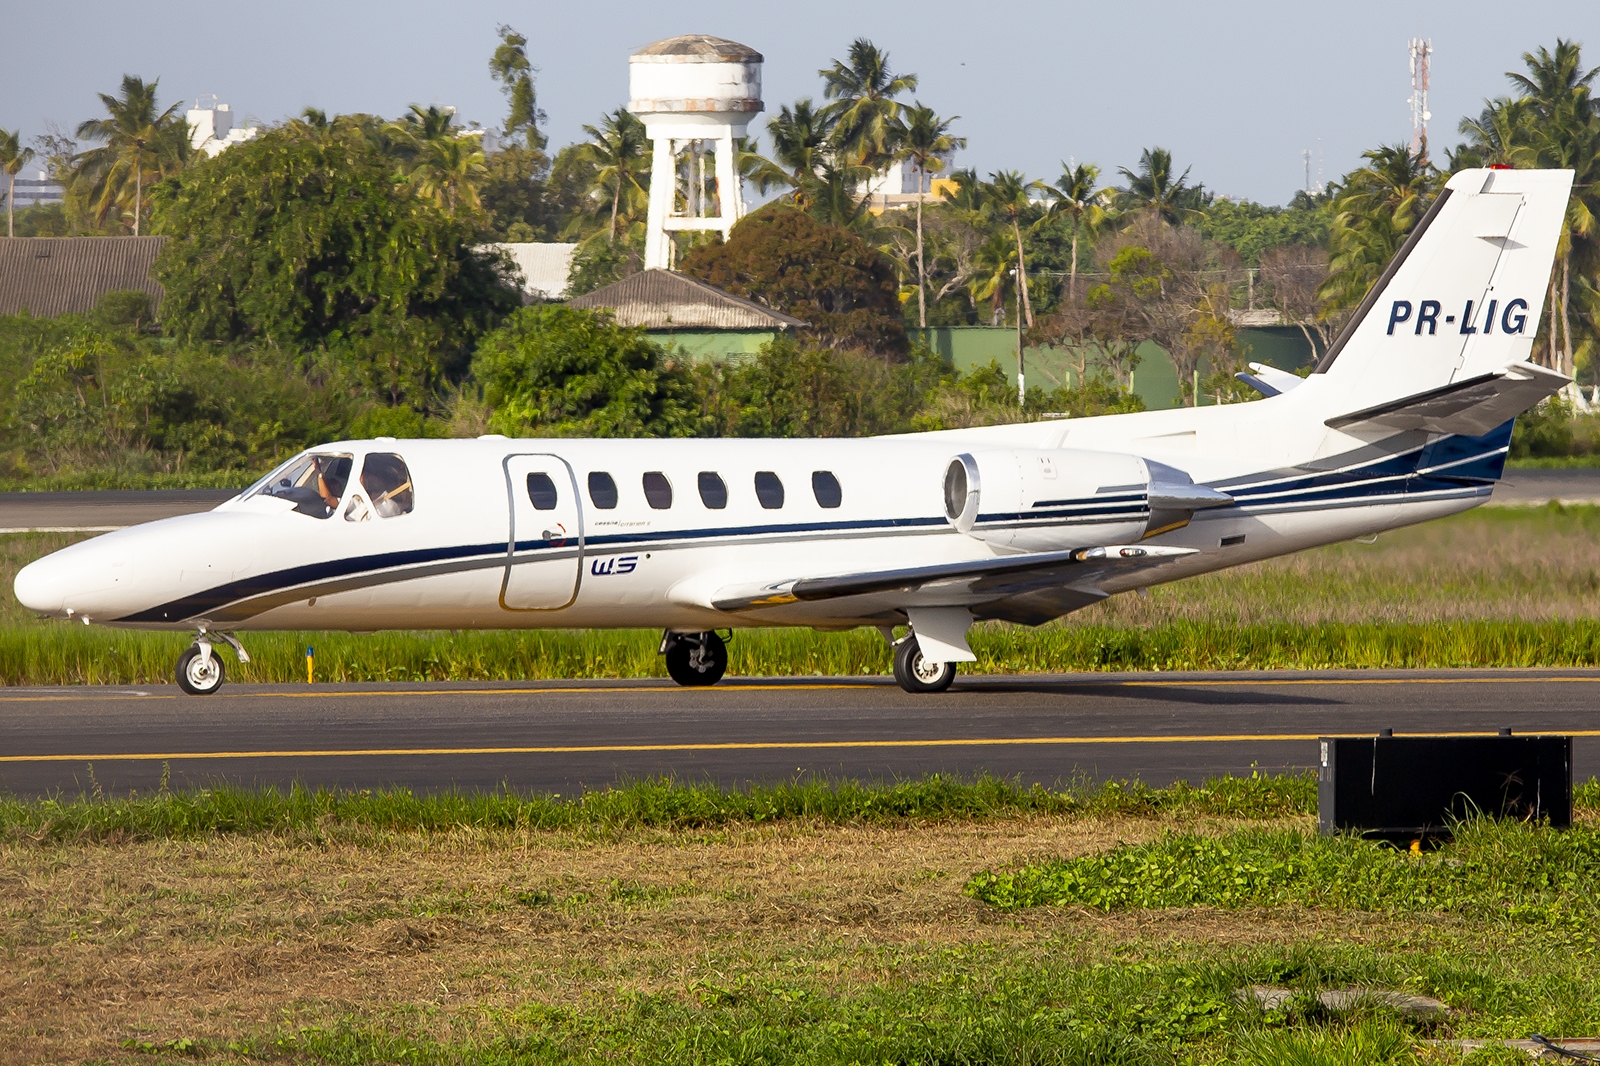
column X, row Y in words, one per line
column 825, row 487
column 657, row 490
column 713, row 493
column 388, row 484
column 769, row 490
column 602, row 490
column 542, row 491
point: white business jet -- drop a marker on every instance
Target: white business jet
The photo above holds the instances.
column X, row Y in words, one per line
column 1406, row 418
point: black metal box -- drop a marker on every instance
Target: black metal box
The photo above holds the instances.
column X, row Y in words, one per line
column 1410, row 788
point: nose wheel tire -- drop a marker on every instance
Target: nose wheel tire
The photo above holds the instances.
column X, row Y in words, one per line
column 199, row 675
column 696, row 659
column 918, row 675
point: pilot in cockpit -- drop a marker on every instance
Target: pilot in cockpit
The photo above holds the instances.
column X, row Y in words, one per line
column 315, row 486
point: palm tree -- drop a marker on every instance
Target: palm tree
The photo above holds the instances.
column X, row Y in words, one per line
column 992, row 264
column 13, row 157
column 1074, row 194
column 621, row 153
column 447, row 171
column 864, row 110
column 1374, row 209
column 134, row 133
column 1007, row 192
column 801, row 143
column 1154, row 189
column 925, row 141
column 510, row 67
column 1497, row 137
column 1564, row 132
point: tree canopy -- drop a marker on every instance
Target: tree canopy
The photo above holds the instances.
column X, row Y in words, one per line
column 841, row 286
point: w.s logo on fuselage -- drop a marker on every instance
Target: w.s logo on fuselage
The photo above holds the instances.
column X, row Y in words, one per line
column 1513, row 317
column 617, row 564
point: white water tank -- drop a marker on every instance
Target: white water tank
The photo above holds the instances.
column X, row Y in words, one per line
column 695, row 73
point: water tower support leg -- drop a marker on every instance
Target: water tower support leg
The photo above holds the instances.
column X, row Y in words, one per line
column 663, row 186
column 728, row 183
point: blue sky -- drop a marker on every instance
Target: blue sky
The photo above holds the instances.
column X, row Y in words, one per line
column 1236, row 90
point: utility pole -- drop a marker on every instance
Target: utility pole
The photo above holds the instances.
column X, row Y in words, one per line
column 1022, row 389
column 1421, row 59
column 1306, row 156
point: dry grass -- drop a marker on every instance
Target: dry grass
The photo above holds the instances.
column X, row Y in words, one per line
column 238, row 934
column 1527, row 564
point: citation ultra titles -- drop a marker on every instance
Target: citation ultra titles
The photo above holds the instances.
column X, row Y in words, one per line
column 1407, row 417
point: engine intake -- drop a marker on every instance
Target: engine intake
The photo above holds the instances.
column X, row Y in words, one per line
column 1056, row 499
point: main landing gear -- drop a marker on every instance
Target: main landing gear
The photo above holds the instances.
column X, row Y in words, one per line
column 199, row 669
column 916, row 674
column 695, row 659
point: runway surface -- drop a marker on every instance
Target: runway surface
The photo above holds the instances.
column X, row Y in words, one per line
column 567, row 736
column 97, row 512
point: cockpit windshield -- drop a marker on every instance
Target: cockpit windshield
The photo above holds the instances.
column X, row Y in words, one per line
column 315, row 482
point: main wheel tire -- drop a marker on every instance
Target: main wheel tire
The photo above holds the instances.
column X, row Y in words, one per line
column 918, row 675
column 194, row 677
column 695, row 660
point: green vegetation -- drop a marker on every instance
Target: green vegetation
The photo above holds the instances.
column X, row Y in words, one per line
column 1528, row 874
column 327, row 279
column 659, row 804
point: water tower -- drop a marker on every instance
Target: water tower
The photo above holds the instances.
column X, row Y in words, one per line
column 695, row 94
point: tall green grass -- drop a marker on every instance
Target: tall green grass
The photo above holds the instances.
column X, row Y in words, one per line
column 66, row 655
column 658, row 804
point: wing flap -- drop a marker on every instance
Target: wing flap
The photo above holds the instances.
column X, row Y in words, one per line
column 1472, row 406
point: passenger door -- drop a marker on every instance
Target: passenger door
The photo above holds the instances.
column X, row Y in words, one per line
column 544, row 552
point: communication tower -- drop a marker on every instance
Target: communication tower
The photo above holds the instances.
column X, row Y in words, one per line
column 1421, row 57
column 695, row 95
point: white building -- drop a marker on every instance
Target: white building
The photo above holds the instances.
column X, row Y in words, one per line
column 211, row 129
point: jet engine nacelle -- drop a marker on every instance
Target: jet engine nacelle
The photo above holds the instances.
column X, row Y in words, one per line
column 1056, row 499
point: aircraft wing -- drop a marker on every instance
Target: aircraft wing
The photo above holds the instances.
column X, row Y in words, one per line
column 1472, row 406
column 1030, row 588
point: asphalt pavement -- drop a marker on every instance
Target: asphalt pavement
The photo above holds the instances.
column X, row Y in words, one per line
column 568, row 736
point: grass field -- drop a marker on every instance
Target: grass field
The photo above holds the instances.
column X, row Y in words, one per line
column 1504, row 587
column 803, row 924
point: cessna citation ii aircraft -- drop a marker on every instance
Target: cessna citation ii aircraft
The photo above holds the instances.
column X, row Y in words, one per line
column 1406, row 418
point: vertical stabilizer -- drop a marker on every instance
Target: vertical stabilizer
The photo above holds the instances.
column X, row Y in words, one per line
column 1463, row 297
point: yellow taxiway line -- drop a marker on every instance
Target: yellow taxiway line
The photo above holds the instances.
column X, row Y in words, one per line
column 766, row 745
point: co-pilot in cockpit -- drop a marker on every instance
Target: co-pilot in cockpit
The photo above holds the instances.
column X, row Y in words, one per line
column 317, row 482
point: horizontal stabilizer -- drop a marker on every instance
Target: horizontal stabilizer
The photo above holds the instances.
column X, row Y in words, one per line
column 1269, row 380
column 1471, row 407
column 975, row 583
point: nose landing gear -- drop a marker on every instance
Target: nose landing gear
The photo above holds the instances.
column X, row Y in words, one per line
column 199, row 670
column 695, row 659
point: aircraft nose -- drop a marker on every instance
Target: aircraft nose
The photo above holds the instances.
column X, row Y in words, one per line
column 40, row 586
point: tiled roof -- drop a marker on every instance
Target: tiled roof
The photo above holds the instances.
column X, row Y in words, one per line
column 61, row 275
column 662, row 299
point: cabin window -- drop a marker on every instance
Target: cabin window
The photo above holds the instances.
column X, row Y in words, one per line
column 602, row 490
column 657, row 490
column 314, row 483
column 769, row 490
column 825, row 487
column 713, row 492
column 542, row 492
column 388, row 484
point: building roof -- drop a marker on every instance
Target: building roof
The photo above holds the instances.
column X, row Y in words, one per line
column 700, row 44
column 66, row 275
column 662, row 299
column 545, row 267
